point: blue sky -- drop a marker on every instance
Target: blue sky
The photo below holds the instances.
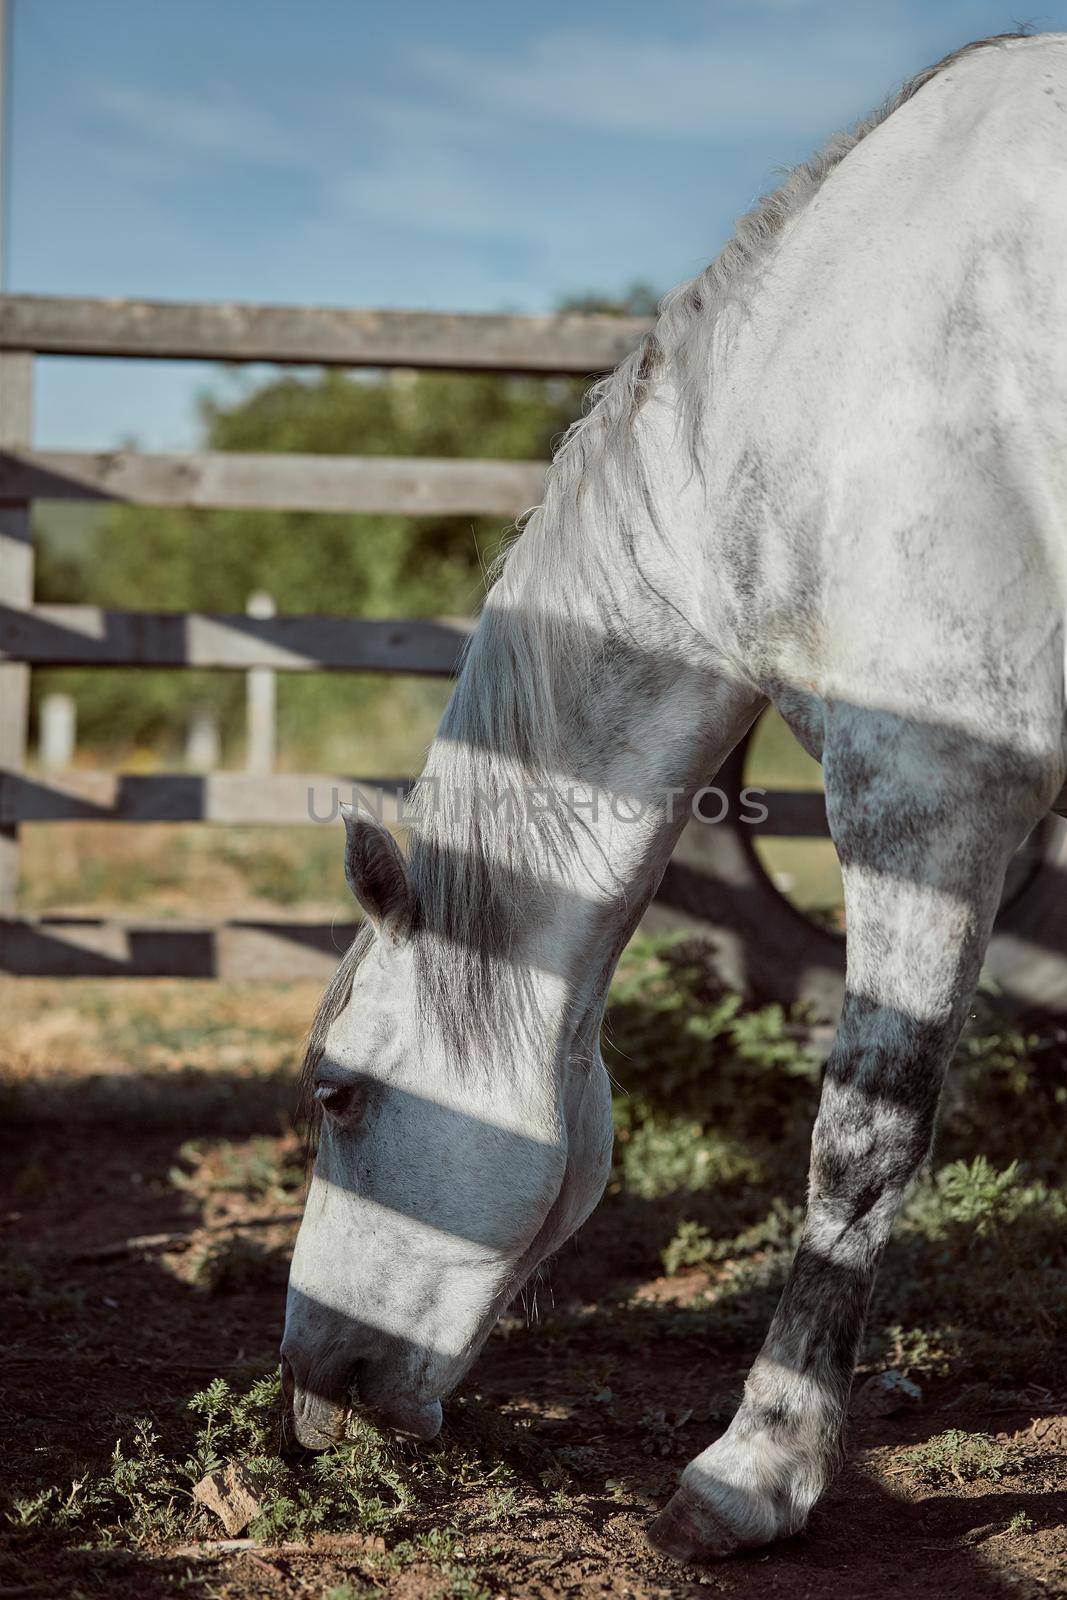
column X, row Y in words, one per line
column 453, row 154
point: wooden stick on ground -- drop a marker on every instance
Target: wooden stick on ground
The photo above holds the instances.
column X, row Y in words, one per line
column 174, row 1241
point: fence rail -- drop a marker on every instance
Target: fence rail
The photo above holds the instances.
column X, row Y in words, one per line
column 316, row 335
column 88, row 636
column 58, row 947
column 226, row 797
column 417, row 486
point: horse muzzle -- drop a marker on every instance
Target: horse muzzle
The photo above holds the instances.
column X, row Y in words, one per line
column 315, row 1412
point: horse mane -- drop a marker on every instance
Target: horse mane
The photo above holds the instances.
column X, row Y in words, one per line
column 513, row 716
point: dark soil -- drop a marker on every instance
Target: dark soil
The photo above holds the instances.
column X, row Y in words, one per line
column 621, row 1386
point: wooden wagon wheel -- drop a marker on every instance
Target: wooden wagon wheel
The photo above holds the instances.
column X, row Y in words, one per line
column 769, row 949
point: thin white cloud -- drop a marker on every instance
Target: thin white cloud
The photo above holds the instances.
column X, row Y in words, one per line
column 791, row 81
column 435, row 163
column 435, row 158
column 213, row 123
column 433, row 171
column 429, row 189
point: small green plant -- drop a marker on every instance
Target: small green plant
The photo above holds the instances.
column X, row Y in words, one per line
column 232, row 1263
column 660, row 1430
column 973, row 1194
column 501, row 1505
column 916, row 1350
column 1021, row 1523
column 261, row 1169
column 691, row 1246
column 694, row 1246
column 955, row 1457
column 146, row 1494
column 977, row 1270
column 443, row 1549
column 459, row 1584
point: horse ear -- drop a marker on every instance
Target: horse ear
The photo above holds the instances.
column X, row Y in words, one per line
column 376, row 875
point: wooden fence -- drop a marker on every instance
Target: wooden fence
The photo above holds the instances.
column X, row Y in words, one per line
column 714, row 877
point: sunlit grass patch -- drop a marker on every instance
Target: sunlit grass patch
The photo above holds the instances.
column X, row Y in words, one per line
column 181, row 870
column 152, row 1053
column 258, row 1169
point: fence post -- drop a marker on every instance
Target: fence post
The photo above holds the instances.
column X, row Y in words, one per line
column 260, row 700
column 16, row 592
column 57, row 726
column 203, row 748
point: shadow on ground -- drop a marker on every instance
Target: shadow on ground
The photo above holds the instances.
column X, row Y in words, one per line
column 623, row 1373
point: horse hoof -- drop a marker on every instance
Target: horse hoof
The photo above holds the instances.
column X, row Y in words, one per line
column 691, row 1530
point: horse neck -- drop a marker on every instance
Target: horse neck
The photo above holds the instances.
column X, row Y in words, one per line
column 586, row 716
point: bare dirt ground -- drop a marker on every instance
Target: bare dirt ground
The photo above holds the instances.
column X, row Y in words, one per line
column 145, row 1117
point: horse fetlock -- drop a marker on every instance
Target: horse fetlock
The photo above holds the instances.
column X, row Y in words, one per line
column 738, row 1494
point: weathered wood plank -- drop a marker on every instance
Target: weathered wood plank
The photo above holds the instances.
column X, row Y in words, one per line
column 236, row 951
column 87, row 636
column 16, row 593
column 318, row 335
column 298, row 798
column 403, row 486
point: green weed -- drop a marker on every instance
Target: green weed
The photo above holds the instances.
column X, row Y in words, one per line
column 145, row 1497
column 955, row 1457
column 232, row 1264
column 501, row 1505
column 693, row 1245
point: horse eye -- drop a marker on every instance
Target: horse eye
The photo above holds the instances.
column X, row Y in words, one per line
column 339, row 1099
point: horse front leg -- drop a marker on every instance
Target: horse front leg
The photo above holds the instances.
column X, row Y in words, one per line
column 923, row 875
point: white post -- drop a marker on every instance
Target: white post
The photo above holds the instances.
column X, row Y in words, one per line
column 16, row 591
column 57, row 733
column 260, row 700
column 202, row 745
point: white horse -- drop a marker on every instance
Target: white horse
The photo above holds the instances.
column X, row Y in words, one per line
column 834, row 477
